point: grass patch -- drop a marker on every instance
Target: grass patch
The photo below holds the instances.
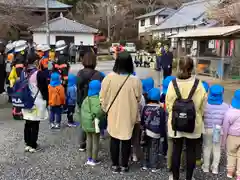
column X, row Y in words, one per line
column 105, row 58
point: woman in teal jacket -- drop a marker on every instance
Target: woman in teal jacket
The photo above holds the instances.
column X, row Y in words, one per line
column 92, row 117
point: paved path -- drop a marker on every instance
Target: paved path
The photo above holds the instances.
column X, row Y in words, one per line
column 60, row 158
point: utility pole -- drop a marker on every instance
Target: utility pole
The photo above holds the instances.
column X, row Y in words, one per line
column 47, row 21
column 109, row 14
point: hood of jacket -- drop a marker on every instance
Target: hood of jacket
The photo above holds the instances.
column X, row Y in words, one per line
column 94, row 88
column 55, row 79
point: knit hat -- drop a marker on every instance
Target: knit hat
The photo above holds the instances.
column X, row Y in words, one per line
column 215, row 96
column 205, row 85
column 154, row 94
column 147, row 84
column 236, row 99
column 94, row 87
column 72, row 80
column 166, row 83
column 55, row 79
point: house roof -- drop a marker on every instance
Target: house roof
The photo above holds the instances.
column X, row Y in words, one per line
column 212, row 32
column 189, row 14
column 162, row 11
column 52, row 4
column 64, row 25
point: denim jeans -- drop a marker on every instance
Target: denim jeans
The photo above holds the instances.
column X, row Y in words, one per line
column 55, row 112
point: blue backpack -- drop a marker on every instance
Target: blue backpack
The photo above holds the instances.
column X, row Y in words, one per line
column 21, row 93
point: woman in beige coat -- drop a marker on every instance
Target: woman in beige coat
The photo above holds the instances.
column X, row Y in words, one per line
column 123, row 111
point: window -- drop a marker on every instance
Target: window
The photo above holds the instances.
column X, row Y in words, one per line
column 143, row 22
column 152, row 20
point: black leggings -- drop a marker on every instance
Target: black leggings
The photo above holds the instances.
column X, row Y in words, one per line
column 31, row 133
column 115, row 151
column 190, row 155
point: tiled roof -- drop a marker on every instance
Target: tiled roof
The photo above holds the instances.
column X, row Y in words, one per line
column 53, row 4
column 189, row 14
column 64, row 25
column 162, row 11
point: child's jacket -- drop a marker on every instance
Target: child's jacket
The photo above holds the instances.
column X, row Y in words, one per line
column 154, row 119
column 71, row 90
column 56, row 95
column 90, row 110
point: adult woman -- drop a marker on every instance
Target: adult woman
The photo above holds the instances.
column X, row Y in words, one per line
column 120, row 96
column 185, row 84
column 84, row 76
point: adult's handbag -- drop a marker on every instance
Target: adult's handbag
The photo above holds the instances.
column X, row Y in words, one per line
column 124, row 82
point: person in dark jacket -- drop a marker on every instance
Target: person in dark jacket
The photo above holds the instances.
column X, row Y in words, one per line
column 2, row 67
column 166, row 62
column 84, row 76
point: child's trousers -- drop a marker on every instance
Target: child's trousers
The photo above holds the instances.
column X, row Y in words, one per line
column 93, row 145
column 150, row 152
column 55, row 112
column 233, row 154
column 211, row 148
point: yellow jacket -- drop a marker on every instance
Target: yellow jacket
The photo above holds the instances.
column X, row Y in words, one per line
column 12, row 76
column 158, row 50
column 51, row 55
column 199, row 99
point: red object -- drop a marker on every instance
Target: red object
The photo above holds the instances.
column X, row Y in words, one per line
column 99, row 38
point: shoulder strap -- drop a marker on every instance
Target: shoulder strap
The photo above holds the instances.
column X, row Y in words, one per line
column 195, row 85
column 179, row 96
column 117, row 93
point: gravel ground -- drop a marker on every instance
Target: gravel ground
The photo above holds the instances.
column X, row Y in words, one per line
column 60, row 159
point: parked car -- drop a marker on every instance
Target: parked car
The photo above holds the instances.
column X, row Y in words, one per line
column 111, row 49
column 130, row 47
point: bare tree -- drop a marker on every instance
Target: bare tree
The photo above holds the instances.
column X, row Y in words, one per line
column 15, row 14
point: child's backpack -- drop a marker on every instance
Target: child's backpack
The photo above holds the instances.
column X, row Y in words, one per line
column 183, row 111
column 21, row 91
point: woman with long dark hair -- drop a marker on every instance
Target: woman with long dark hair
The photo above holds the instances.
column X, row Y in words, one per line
column 120, row 96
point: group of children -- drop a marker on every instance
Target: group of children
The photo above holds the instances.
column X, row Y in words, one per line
column 221, row 129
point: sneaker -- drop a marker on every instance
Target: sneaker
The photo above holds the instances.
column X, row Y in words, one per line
column 57, row 126
column 134, row 158
column 154, row 170
column 27, row 148
column 115, row 169
column 206, row 170
column 215, row 171
column 89, row 162
column 94, row 163
column 230, row 174
column 74, row 124
column 82, row 149
column 144, row 168
column 170, row 176
column 32, row 150
column 52, row 126
column 124, row 170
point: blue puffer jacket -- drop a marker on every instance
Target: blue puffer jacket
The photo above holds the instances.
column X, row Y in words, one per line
column 72, row 90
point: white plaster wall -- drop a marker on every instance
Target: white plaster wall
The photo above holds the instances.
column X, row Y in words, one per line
column 87, row 39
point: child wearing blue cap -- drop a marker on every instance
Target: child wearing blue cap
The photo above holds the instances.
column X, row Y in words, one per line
column 92, row 117
column 147, row 85
column 153, row 124
column 231, row 136
column 71, row 99
column 214, row 113
column 165, row 84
